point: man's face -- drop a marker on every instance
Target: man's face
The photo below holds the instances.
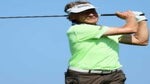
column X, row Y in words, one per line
column 89, row 16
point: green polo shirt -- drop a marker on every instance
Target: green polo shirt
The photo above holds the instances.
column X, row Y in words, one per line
column 90, row 49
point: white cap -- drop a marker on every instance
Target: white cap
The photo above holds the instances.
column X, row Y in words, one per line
column 80, row 8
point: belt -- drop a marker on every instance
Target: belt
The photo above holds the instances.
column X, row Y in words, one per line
column 96, row 71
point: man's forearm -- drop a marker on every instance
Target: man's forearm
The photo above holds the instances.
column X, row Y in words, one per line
column 142, row 33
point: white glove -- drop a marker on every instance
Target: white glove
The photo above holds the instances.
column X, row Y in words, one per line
column 138, row 16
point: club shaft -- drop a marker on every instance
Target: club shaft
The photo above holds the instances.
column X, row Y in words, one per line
column 116, row 14
column 107, row 14
column 46, row 16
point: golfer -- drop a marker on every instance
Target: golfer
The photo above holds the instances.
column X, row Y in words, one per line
column 95, row 48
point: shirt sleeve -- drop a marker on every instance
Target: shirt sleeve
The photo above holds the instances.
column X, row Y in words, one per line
column 86, row 32
column 101, row 31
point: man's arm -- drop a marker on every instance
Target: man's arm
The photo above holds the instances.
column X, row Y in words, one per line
column 133, row 32
column 129, row 27
column 141, row 37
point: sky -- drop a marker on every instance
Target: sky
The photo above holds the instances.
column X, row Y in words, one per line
column 36, row 51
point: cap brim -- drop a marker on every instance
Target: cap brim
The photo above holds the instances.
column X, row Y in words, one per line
column 80, row 8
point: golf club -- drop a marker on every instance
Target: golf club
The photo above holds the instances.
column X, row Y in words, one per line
column 46, row 16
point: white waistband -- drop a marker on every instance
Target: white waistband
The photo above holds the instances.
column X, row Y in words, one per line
column 77, row 69
column 92, row 71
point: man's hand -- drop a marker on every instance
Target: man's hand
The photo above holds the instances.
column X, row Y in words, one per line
column 125, row 15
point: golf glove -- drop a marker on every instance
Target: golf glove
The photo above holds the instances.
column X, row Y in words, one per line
column 139, row 17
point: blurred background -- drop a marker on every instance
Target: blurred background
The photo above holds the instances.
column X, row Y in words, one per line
column 36, row 51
